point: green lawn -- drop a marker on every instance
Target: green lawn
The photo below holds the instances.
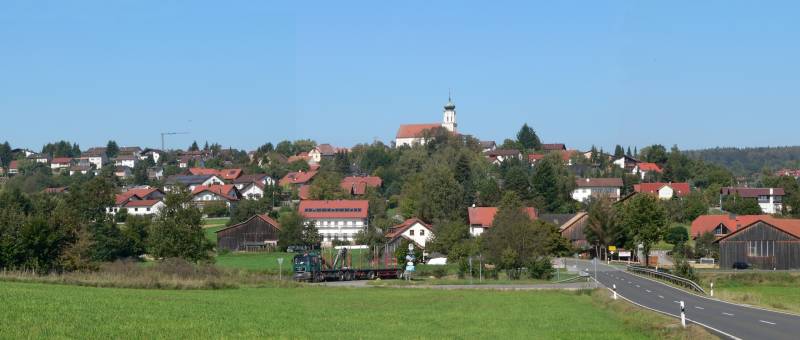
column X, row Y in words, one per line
column 32, row 310
column 261, row 262
column 777, row 290
column 211, row 233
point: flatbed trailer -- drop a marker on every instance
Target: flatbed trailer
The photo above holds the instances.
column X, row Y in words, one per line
column 311, row 267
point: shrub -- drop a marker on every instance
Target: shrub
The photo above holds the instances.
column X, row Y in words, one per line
column 215, row 209
column 540, row 268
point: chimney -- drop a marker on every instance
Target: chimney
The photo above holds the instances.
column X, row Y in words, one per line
column 732, row 216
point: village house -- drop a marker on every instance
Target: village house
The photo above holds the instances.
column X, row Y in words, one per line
column 768, row 243
column 769, row 199
column 154, row 153
column 191, row 182
column 137, row 194
column 357, row 185
column 39, row 158
column 59, row 164
column 227, row 175
column 296, row 179
column 488, row 145
column 644, row 168
column 56, row 190
column 203, row 195
column 126, row 160
column 252, row 186
column 258, row 232
column 336, row 220
column 143, row 207
column 155, row 173
column 413, row 230
column 721, row 225
column 94, row 156
column 414, row 134
column 13, row 168
column 550, row 147
column 499, row 156
column 482, row 218
column 134, row 151
column 302, row 156
column 663, row 191
column 586, row 188
column 322, row 151
column 627, row 163
column 788, row 172
column 123, row 172
column 80, row 169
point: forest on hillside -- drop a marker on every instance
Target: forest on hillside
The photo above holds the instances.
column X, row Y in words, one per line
column 748, row 161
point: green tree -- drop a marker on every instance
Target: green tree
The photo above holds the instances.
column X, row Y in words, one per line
column 655, row 153
column 442, row 196
column 516, row 179
column 5, row 154
column 177, row 230
column 112, row 149
column 528, row 138
column 327, row 186
column 645, row 220
column 741, row 205
column 705, row 245
column 619, row 151
column 677, row 236
column 602, row 229
column 291, row 233
column 448, row 235
column 695, row 205
column 248, row 208
column 285, row 148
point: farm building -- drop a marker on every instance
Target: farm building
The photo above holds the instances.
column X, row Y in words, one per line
column 768, row 243
column 259, row 232
column 570, row 226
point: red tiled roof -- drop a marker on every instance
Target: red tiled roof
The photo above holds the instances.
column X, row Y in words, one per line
column 139, row 194
column 304, row 192
column 12, row 165
column 61, row 160
column 680, row 189
column 644, row 166
column 751, row 192
column 141, row 203
column 553, row 147
column 357, row 185
column 706, row 223
column 56, row 190
column 334, row 209
column 250, row 178
column 203, row 171
column 535, row 157
column 263, row 217
column 221, row 190
column 327, row 149
column 299, row 177
column 415, row 130
column 484, row 216
column 400, row 228
column 567, row 154
column 230, row 174
column 301, row 156
column 789, row 226
column 598, row 182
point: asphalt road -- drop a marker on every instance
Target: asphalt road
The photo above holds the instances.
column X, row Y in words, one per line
column 726, row 319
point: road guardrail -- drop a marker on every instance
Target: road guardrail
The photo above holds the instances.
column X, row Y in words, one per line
column 667, row 277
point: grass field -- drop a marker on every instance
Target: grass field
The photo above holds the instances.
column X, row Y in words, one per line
column 33, row 310
column 777, row 290
column 211, row 225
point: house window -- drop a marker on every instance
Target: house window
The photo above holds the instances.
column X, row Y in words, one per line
column 720, row 230
column 422, row 233
column 135, row 209
column 148, row 209
column 411, row 232
column 760, row 248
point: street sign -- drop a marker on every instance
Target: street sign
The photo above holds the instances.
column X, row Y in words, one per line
column 280, row 260
column 280, row 269
column 612, row 248
column 624, row 254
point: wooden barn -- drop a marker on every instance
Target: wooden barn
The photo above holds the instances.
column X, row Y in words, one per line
column 570, row 226
column 258, row 233
column 768, row 243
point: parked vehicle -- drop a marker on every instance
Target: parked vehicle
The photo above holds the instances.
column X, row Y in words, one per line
column 311, row 267
column 740, row 265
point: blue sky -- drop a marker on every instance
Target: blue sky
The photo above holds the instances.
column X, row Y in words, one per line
column 241, row 73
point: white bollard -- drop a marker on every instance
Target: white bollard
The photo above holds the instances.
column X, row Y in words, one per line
column 683, row 315
column 712, row 289
column 615, row 291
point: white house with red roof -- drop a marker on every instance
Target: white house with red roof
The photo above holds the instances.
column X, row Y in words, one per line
column 337, row 219
column 645, row 168
column 413, row 229
column 13, row 168
column 357, row 185
column 586, row 188
column 205, row 194
column 482, row 218
column 121, row 200
column 769, row 199
column 411, row 134
column 297, row 178
column 323, row 151
column 126, row 160
column 663, row 191
column 60, row 163
column 143, row 207
column 721, row 225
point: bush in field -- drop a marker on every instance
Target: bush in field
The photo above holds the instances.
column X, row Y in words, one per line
column 540, row 268
column 177, row 231
column 215, row 209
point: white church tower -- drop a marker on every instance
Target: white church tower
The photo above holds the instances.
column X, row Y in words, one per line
column 449, row 121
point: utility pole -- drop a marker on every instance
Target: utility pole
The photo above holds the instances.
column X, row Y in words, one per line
column 169, row 134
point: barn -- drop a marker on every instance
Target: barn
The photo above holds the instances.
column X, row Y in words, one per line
column 571, row 227
column 768, row 243
column 257, row 233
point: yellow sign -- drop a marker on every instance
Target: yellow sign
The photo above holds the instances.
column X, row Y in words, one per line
column 612, row 248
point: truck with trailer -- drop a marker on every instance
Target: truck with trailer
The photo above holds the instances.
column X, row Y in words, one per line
column 311, row 266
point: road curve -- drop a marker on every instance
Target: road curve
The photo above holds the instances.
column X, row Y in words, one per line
column 727, row 319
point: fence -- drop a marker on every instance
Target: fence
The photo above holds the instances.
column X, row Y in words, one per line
column 667, row 277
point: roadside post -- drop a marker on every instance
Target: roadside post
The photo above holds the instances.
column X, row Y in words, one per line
column 595, row 272
column 683, row 315
column 280, row 268
column 712, row 289
column 615, row 291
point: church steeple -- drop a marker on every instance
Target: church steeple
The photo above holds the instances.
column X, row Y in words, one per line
column 449, row 121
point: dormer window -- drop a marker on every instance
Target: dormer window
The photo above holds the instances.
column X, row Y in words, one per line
column 721, row 230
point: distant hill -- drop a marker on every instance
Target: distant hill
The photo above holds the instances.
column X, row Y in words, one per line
column 748, row 161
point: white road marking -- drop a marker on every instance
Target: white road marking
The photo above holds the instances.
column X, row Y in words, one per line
column 647, row 290
column 766, row 322
column 661, row 296
column 638, row 286
column 676, row 301
column 728, row 314
column 630, row 282
column 698, row 307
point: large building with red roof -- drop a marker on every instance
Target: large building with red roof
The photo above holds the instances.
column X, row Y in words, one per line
column 767, row 243
column 357, row 185
column 130, row 200
column 336, row 219
column 297, row 178
column 414, row 134
column 769, row 199
column 482, row 218
column 721, row 225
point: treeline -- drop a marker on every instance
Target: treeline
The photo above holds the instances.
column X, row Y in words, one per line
column 749, row 161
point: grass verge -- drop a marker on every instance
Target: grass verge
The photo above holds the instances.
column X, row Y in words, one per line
column 59, row 311
column 776, row 290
